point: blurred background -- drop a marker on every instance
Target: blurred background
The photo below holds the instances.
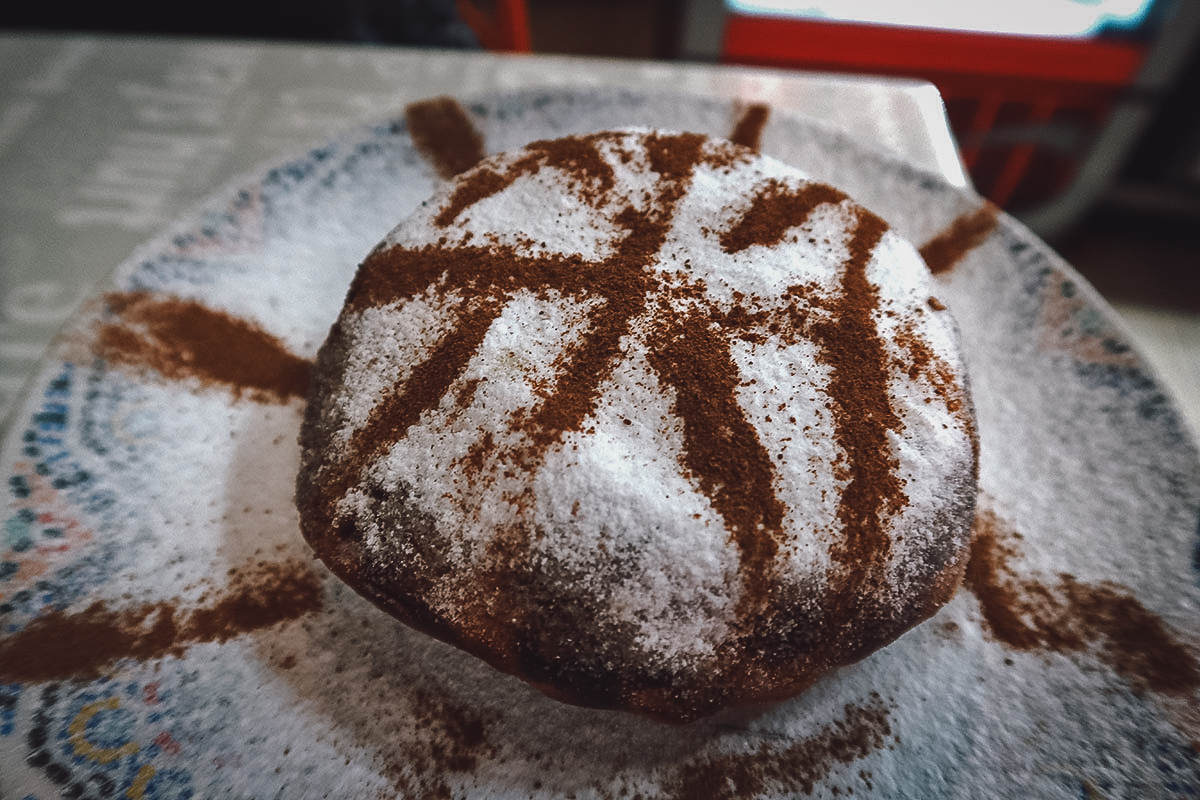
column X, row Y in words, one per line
column 1081, row 117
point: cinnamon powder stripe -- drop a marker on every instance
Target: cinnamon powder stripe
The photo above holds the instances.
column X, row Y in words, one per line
column 722, row 448
column 792, row 770
column 62, row 645
column 443, row 132
column 400, row 409
column 577, row 158
column 748, row 129
column 851, row 345
column 775, row 210
column 580, row 374
column 182, row 339
column 1070, row 616
column 858, row 385
column 967, row 232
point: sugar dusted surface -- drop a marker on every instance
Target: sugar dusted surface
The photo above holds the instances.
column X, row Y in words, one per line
column 607, row 511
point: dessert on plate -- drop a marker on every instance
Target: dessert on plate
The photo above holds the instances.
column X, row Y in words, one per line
column 646, row 419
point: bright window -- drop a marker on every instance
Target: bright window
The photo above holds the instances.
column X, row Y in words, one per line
column 1076, row 18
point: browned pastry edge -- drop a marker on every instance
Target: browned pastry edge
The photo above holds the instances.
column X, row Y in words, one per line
column 780, row 645
column 740, row 680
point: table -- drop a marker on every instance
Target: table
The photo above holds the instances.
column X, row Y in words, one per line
column 104, row 140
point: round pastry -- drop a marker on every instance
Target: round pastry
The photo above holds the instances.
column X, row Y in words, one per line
column 647, row 420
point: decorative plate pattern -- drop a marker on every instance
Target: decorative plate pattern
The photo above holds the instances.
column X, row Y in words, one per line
column 165, row 633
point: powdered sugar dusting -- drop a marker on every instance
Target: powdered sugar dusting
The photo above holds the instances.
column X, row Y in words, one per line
column 633, row 394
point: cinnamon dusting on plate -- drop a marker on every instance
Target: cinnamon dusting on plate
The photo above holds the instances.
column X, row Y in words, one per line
column 791, row 770
column 444, row 133
column 184, row 340
column 62, row 644
column 453, row 739
column 1070, row 616
column 947, row 248
column 747, row 131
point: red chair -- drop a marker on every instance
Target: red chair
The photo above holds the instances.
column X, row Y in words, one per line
column 506, row 30
column 1024, row 109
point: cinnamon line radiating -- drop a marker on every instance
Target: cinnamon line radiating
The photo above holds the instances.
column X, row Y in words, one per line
column 792, row 769
column 852, row 347
column 578, row 159
column 1069, row 615
column 967, row 232
column 748, row 129
column 774, row 211
column 722, row 448
column 443, row 132
column 82, row 645
column 182, row 339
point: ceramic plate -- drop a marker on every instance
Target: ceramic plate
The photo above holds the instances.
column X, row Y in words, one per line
column 164, row 632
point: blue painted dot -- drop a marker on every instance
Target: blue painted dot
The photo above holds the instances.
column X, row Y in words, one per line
column 17, row 534
column 54, row 418
column 60, row 385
